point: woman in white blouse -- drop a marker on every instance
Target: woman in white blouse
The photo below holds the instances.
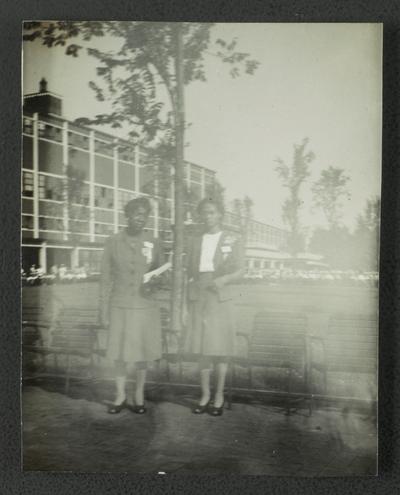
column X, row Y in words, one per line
column 214, row 259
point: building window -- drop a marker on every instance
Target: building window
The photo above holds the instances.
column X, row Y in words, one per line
column 104, row 171
column 127, row 154
column 27, row 184
column 51, row 209
column 27, row 222
column 103, row 148
column 90, row 259
column 78, row 226
column 28, row 126
column 104, row 216
column 164, row 209
column 103, row 229
column 50, row 132
column 78, row 140
column 50, row 224
column 51, row 188
column 164, row 224
column 81, row 196
column 103, row 197
column 123, row 198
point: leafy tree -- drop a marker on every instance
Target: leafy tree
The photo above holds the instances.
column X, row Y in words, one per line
column 355, row 251
column 328, row 191
column 366, row 235
column 293, row 176
column 151, row 55
column 131, row 74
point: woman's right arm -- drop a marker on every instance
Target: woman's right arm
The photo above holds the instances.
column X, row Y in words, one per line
column 106, row 283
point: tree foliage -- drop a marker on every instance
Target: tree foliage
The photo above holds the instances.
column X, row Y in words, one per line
column 131, row 75
column 357, row 250
column 292, row 177
column 328, row 192
column 367, row 234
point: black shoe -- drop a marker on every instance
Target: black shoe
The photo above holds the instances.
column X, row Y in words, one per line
column 116, row 408
column 138, row 409
column 201, row 409
column 216, row 411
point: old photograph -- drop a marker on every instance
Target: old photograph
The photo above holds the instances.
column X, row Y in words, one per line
column 200, row 247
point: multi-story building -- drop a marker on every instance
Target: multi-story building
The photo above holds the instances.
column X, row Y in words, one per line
column 98, row 172
column 76, row 181
column 266, row 245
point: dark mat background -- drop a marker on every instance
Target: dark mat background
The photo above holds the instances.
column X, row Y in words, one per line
column 12, row 12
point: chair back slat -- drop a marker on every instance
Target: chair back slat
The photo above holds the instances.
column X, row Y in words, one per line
column 351, row 343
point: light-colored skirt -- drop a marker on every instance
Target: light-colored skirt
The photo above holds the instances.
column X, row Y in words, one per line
column 211, row 328
column 134, row 334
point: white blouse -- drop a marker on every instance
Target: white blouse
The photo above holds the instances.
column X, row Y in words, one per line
column 208, row 247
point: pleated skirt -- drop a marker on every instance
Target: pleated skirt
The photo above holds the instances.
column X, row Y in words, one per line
column 134, row 334
column 211, row 328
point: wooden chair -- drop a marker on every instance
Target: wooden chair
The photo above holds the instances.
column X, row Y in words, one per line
column 73, row 334
column 351, row 343
column 36, row 321
column 280, row 340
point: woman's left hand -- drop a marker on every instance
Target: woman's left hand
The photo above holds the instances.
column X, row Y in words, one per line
column 219, row 282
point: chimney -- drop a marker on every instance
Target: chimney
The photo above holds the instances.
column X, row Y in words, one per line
column 44, row 102
column 43, row 85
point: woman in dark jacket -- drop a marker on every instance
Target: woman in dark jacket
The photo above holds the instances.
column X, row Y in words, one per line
column 133, row 320
column 214, row 259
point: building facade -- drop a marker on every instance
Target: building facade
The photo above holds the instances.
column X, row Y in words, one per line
column 76, row 181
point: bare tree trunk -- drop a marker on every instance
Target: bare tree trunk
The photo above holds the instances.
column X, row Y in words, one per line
column 177, row 274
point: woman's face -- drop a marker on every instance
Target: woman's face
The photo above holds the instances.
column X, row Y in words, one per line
column 137, row 218
column 210, row 215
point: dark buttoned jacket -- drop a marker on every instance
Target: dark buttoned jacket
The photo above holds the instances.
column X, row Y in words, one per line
column 125, row 260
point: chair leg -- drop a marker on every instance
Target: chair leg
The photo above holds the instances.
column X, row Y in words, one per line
column 230, row 384
column 180, row 365
column 91, row 367
column 308, row 393
column 67, row 378
column 167, row 370
column 92, row 375
column 250, row 376
column 325, row 374
column 288, row 390
column 311, row 398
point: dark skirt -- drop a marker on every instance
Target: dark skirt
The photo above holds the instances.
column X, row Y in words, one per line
column 211, row 327
column 134, row 335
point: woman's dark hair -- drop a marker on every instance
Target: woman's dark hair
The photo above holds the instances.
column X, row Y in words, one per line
column 136, row 203
column 209, row 200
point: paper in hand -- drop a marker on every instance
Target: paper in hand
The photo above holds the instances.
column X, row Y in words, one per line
column 155, row 273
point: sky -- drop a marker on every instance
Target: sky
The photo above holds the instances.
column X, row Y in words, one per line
column 317, row 81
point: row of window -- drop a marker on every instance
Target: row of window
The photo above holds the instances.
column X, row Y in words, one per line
column 51, row 161
column 54, row 188
column 79, row 140
column 260, row 264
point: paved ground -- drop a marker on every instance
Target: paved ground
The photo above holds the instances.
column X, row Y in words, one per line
column 76, row 434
